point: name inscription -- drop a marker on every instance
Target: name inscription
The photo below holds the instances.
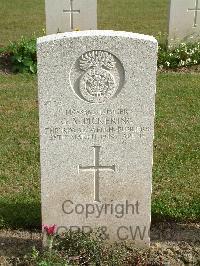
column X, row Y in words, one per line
column 80, row 125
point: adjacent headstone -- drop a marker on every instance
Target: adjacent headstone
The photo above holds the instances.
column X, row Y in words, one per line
column 97, row 97
column 184, row 21
column 70, row 15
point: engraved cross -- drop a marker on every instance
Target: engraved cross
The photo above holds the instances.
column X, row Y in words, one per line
column 71, row 12
column 96, row 168
column 195, row 9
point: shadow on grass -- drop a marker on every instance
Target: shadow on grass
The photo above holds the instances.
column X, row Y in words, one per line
column 175, row 232
column 168, row 210
column 20, row 214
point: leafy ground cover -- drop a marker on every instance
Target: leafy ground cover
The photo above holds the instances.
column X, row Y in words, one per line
column 20, row 56
column 178, row 246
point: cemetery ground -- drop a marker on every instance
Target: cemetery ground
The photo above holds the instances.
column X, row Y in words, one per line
column 176, row 173
column 176, row 170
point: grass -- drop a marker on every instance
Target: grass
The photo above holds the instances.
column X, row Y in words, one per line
column 20, row 18
column 23, row 18
column 143, row 16
column 19, row 153
column 176, row 157
column 176, row 175
column 176, row 154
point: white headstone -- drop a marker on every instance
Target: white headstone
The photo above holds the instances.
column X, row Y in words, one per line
column 184, row 21
column 97, row 97
column 70, row 15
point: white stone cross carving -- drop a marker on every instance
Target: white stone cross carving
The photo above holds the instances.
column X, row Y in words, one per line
column 71, row 11
column 195, row 9
column 96, row 168
column 70, row 15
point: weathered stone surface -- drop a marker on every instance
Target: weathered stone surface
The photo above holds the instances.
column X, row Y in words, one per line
column 97, row 97
column 184, row 21
column 70, row 15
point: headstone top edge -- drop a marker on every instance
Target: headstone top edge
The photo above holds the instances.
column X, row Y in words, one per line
column 93, row 33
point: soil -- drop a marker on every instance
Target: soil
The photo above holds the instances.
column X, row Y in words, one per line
column 172, row 244
column 5, row 64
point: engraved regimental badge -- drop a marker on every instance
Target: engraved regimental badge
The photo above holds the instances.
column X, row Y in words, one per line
column 97, row 76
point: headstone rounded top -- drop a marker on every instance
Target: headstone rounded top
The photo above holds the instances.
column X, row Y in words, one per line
column 99, row 33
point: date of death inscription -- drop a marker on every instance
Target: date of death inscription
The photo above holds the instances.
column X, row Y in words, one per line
column 107, row 124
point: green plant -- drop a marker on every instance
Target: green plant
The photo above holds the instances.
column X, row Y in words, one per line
column 78, row 248
column 186, row 54
column 23, row 55
column 45, row 258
